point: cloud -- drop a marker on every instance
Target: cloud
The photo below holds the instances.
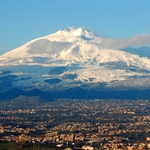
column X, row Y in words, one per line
column 137, row 40
column 45, row 46
column 42, row 46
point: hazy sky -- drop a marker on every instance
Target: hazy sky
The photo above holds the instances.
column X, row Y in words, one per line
column 124, row 21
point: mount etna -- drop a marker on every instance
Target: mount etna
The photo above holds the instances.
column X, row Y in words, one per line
column 73, row 63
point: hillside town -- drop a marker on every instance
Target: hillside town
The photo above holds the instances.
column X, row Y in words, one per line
column 79, row 124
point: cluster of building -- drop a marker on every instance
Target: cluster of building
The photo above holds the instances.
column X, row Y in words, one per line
column 84, row 124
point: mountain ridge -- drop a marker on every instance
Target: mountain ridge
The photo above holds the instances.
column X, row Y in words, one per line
column 73, row 93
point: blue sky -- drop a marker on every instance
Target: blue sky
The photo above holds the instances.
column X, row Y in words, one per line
column 24, row 20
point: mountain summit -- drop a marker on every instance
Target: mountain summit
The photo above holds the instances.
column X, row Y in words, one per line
column 76, row 32
column 72, row 58
column 55, row 43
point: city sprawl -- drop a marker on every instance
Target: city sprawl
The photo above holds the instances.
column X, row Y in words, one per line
column 79, row 124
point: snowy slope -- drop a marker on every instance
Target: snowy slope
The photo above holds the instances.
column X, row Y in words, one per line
column 83, row 58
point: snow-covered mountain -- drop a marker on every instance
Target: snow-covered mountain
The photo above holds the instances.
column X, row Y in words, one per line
column 72, row 58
